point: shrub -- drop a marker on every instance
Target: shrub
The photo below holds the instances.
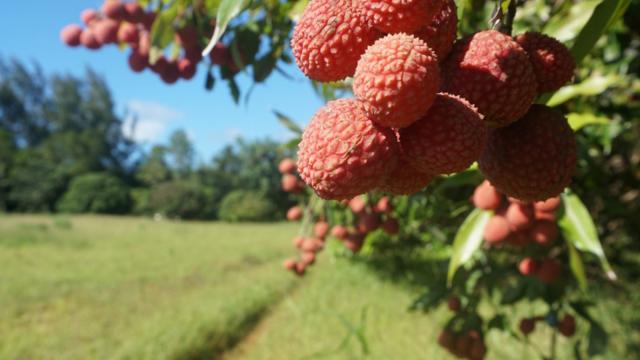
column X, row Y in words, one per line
column 99, row 193
column 181, row 200
column 242, row 205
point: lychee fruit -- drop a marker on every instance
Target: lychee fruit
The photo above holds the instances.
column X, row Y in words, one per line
column 446, row 339
column 354, row 242
column 220, row 54
column 133, row 12
column 170, row 74
column 88, row 16
column 441, row 33
column 497, row 229
column 298, row 241
column 397, row 78
column 383, row 206
column 188, row 37
column 462, row 346
column 287, row 166
column 330, row 38
column 527, row 326
column 486, row 197
column 532, row 159
column 70, row 35
column 128, row 33
column 368, row 223
column 494, row 73
column 289, row 264
column 88, row 39
column 549, row 205
column 519, row 238
column 137, row 62
column 312, row 245
column 393, row 16
column 321, row 229
column 343, row 153
column 405, row 179
column 113, row 9
column 448, row 139
column 300, row 268
column 478, row 350
column 357, row 205
column 144, row 43
column 567, row 326
column 528, row 266
column 552, row 62
column 294, row 213
column 549, row 271
column 308, row 258
column 454, row 304
column 106, row 31
column 186, row 68
column 339, row 232
column 544, row 232
column 391, row 226
column 520, row 216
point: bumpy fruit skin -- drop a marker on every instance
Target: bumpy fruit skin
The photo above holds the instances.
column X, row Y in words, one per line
column 357, row 205
column 549, row 206
column 448, row 139
column 441, row 33
column 486, row 197
column 343, row 153
column 494, row 73
column 70, row 35
column 394, row 16
column 330, row 38
column 405, row 179
column 520, row 216
column 532, row 159
column 497, row 230
column 397, row 78
column 552, row 62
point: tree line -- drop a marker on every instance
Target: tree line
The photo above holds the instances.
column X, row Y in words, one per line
column 63, row 149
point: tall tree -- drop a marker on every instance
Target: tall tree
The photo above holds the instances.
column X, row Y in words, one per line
column 182, row 154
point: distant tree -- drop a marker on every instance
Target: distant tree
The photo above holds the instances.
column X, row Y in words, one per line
column 154, row 168
column 182, row 154
column 242, row 205
column 99, row 193
column 7, row 151
column 181, row 199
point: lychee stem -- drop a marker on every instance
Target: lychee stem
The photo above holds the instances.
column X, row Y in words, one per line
column 501, row 21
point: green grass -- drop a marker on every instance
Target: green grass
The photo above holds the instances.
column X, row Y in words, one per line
column 125, row 288
column 116, row 288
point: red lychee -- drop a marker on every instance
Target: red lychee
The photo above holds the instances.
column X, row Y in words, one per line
column 532, row 159
column 170, row 73
column 544, row 232
column 552, row 62
column 448, row 139
column 187, row 68
column 188, row 37
column 528, row 266
column 144, row 43
column 405, row 179
column 133, row 12
column 128, row 33
column 321, row 229
column 519, row 238
column 113, row 9
column 383, row 206
column 462, row 346
column 520, row 216
column 493, row 72
column 393, row 16
column 106, row 31
column 478, row 350
column 368, row 223
column 549, row 205
column 289, row 264
column 549, row 271
column 527, row 326
column 339, row 232
column 70, row 35
column 343, row 153
column 441, row 32
column 287, row 166
column 294, row 213
column 567, row 326
column 220, row 54
column 330, row 38
column 88, row 39
column 148, row 20
column 496, row 230
column 391, row 226
column 137, row 62
column 298, row 241
column 397, row 78
column 289, row 183
column 300, row 268
column 308, row 258
column 354, row 242
column 486, row 197
column 312, row 245
column 88, row 16
column 446, row 339
column 454, row 304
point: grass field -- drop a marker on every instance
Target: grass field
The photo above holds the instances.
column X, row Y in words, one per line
column 124, row 288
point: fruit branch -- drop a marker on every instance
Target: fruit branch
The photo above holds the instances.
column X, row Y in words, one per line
column 502, row 21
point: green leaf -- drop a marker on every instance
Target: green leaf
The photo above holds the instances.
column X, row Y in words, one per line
column 227, row 10
column 607, row 13
column 578, row 228
column 297, row 9
column 594, row 85
column 577, row 120
column 162, row 32
column 468, row 240
column 235, row 90
column 287, row 122
column 577, row 266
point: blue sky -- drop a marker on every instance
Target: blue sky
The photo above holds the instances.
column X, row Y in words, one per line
column 30, row 31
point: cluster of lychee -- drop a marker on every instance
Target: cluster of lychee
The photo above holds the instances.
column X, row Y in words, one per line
column 128, row 23
column 427, row 104
column 519, row 224
column 464, row 343
column 566, row 326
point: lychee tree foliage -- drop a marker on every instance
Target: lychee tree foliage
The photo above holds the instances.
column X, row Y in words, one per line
column 438, row 86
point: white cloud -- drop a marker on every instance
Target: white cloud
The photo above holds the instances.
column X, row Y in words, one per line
column 151, row 120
